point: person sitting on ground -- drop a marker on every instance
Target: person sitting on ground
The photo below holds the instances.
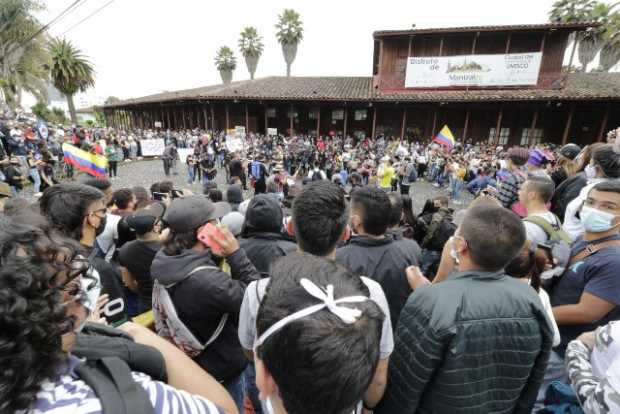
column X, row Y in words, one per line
column 196, row 305
column 449, row 331
column 373, row 253
column 319, row 222
column 261, row 235
column 321, row 361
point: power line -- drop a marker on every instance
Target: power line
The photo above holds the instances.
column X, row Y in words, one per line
column 88, row 17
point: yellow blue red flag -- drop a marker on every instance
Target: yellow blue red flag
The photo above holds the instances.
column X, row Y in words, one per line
column 93, row 164
column 445, row 137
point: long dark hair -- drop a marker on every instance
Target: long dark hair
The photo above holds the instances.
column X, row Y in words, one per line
column 530, row 263
column 409, row 218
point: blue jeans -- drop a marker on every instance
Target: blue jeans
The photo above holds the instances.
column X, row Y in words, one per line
column 250, row 388
column 34, row 174
column 236, row 389
column 190, row 174
column 456, row 186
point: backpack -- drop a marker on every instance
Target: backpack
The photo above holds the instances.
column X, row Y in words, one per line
column 413, row 174
column 168, row 324
column 112, row 382
column 558, row 243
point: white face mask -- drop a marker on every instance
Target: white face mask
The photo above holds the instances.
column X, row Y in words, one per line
column 590, row 171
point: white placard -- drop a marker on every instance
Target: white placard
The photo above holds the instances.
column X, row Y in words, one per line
column 511, row 69
column 157, row 124
column 234, row 144
column 272, row 131
column 152, row 147
column 240, row 131
column 184, row 152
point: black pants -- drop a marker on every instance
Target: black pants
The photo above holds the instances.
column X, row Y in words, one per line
column 404, row 189
column 113, row 167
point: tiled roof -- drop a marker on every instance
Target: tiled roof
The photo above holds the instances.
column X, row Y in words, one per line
column 506, row 28
column 578, row 86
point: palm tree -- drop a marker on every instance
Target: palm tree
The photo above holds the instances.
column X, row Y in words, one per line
column 251, row 47
column 71, row 71
column 610, row 52
column 289, row 34
column 226, row 63
column 592, row 40
column 571, row 11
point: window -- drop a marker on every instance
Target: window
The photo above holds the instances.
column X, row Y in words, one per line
column 537, row 137
column 313, row 113
column 271, row 112
column 504, row 134
column 337, row 114
column 361, row 114
column 293, row 112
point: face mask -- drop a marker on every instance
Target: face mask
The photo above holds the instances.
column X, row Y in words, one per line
column 590, row 171
column 596, row 221
column 101, row 228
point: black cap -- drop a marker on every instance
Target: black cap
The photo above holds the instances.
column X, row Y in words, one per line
column 570, row 151
column 189, row 213
column 143, row 220
column 263, row 214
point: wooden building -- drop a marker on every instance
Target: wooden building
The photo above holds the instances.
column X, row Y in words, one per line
column 503, row 84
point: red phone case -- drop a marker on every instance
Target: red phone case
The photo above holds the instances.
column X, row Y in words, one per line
column 204, row 237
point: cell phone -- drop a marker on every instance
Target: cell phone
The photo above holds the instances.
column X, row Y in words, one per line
column 205, row 236
column 159, row 196
column 177, row 193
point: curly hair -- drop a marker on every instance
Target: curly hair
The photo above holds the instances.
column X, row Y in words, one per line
column 33, row 321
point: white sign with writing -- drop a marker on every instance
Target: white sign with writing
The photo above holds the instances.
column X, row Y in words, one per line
column 157, row 124
column 152, row 147
column 234, row 144
column 272, row 131
column 473, row 70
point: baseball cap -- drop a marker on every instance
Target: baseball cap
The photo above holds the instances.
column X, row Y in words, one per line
column 570, row 151
column 188, row 213
column 143, row 220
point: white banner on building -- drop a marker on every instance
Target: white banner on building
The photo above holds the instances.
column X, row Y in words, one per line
column 152, row 147
column 511, row 69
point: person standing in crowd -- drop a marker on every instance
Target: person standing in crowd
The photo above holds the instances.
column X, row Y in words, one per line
column 604, row 166
column 540, row 223
column 435, row 228
column 576, row 179
column 319, row 222
column 588, row 293
column 507, row 192
column 385, row 174
column 112, row 154
column 537, row 163
column 449, row 332
column 409, row 175
column 258, row 172
column 13, row 175
column 33, row 171
column 196, row 304
column 168, row 157
column 300, row 368
column 373, row 253
column 235, row 167
column 79, row 212
column 262, row 237
column 565, row 165
column 136, row 256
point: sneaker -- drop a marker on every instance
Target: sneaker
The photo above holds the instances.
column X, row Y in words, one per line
column 436, row 185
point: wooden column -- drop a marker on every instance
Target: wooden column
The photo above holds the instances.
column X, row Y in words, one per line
column 601, row 131
column 569, row 121
column 530, row 135
column 465, row 126
column 227, row 117
column 266, row 121
column 318, row 122
column 247, row 119
column 441, row 46
column 498, row 125
column 434, row 123
column 206, row 116
column 290, row 121
column 346, row 118
column 212, row 117
column 374, row 122
column 402, row 126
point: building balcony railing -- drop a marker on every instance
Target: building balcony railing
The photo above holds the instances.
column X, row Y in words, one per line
column 396, row 83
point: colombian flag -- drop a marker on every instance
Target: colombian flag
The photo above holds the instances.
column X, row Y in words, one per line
column 92, row 164
column 445, row 137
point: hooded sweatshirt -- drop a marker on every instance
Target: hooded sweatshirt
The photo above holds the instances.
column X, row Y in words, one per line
column 203, row 298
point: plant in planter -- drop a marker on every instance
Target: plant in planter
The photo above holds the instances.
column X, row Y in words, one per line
column 289, row 34
column 226, row 63
column 251, row 47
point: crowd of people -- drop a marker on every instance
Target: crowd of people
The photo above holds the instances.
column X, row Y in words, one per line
column 308, row 283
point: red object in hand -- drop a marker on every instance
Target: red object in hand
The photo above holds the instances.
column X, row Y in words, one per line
column 206, row 237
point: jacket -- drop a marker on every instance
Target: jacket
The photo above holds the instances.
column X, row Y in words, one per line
column 383, row 260
column 478, row 342
column 264, row 248
column 203, row 298
column 566, row 192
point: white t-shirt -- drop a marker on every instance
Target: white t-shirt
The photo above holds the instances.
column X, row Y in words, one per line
column 106, row 239
column 544, row 298
column 256, row 289
column 534, row 232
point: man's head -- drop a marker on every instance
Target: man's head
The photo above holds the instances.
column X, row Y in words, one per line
column 124, row 199
column 396, row 201
column 78, row 211
column 489, row 237
column 517, row 157
column 440, row 202
column 319, row 217
column 606, row 161
column 102, row 184
column 600, row 213
column 370, row 211
column 536, row 190
column 317, row 363
column 146, row 220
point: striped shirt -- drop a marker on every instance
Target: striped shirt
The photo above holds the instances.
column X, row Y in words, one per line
column 68, row 394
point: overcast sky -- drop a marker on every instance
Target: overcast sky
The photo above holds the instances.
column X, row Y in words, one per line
column 140, row 47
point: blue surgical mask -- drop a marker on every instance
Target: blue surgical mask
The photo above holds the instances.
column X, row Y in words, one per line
column 596, row 221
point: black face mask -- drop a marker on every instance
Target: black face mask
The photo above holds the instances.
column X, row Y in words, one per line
column 101, row 227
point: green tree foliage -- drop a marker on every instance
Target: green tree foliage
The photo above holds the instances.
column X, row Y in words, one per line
column 290, row 33
column 251, row 47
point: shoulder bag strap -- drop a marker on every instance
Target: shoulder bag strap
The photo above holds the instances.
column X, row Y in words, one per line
column 590, row 249
column 134, row 397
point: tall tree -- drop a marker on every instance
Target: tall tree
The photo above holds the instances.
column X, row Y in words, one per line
column 24, row 60
column 290, row 33
column 591, row 41
column 71, row 71
column 251, row 47
column 226, row 63
column 610, row 52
